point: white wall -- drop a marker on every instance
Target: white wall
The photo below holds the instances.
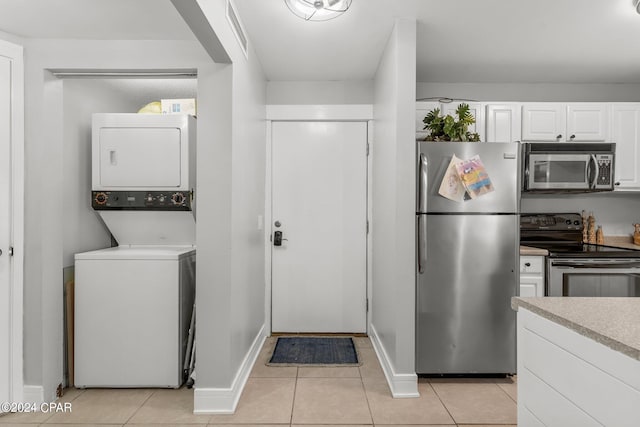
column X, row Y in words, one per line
column 320, row 93
column 231, row 170
column 560, row 92
column 44, row 164
column 393, row 216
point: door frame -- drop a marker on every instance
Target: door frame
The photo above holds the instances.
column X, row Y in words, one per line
column 16, row 377
column 307, row 113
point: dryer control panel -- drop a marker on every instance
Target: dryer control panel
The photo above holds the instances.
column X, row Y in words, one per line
column 142, row 200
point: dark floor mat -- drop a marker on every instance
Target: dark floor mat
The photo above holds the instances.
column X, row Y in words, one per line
column 319, row 351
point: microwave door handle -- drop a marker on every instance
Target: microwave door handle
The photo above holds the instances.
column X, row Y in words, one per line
column 593, row 176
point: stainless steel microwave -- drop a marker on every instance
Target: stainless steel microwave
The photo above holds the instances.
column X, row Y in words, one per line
column 568, row 167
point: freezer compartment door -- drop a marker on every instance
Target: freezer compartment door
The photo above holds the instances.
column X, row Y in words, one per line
column 501, row 161
column 465, row 323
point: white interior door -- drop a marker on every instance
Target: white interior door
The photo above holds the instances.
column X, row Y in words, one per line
column 5, row 227
column 319, row 204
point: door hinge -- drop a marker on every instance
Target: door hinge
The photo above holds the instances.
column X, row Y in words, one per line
column 10, row 250
column 367, row 304
column 367, row 226
column 368, row 149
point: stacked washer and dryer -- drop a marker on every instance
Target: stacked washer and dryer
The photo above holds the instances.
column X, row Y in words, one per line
column 133, row 302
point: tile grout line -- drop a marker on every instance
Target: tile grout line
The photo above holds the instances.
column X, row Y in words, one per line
column 140, row 407
column 366, row 395
column 295, row 389
column 505, row 392
column 455, row 423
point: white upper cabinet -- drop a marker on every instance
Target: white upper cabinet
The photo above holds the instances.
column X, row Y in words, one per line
column 422, row 108
column 544, row 122
column 588, row 122
column 555, row 122
column 476, row 109
column 503, row 122
column 626, row 135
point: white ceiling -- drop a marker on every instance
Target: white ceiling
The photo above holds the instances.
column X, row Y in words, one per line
column 93, row 19
column 594, row 41
column 499, row 41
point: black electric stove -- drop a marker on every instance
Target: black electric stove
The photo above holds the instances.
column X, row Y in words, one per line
column 561, row 235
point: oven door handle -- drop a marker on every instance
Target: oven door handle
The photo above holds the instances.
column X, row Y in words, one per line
column 605, row 265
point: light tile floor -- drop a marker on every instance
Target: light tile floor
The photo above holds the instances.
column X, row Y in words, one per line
column 290, row 396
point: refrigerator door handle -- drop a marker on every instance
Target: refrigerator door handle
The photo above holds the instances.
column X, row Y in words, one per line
column 422, row 243
column 422, row 183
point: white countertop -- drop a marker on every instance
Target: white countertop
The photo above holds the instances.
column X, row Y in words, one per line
column 613, row 322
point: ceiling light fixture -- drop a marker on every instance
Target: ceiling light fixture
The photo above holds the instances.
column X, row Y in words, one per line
column 318, row 10
column 636, row 3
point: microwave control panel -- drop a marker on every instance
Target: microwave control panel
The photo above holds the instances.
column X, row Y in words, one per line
column 604, row 177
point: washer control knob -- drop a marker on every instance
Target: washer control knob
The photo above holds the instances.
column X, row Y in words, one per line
column 177, row 198
column 101, row 198
column 161, row 198
column 149, row 197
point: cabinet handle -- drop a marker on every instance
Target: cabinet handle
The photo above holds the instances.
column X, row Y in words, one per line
column 527, row 264
column 559, row 136
column 572, row 137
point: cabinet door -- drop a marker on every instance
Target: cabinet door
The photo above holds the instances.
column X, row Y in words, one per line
column 503, row 123
column 422, row 108
column 587, row 122
column 531, row 286
column 543, row 122
column 476, row 110
column 626, row 135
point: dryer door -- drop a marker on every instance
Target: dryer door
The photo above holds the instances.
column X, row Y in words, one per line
column 140, row 157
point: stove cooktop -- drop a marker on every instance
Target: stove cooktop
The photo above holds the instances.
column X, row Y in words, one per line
column 561, row 235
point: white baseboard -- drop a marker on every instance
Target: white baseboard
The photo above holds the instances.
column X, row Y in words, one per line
column 225, row 400
column 33, row 394
column 401, row 385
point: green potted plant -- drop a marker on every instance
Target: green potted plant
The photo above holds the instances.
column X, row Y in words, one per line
column 449, row 128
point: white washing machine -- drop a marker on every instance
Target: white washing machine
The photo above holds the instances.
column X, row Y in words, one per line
column 132, row 310
column 133, row 302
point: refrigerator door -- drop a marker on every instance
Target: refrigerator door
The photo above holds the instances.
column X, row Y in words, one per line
column 501, row 161
column 465, row 323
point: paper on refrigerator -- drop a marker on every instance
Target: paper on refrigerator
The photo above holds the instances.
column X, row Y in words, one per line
column 474, row 177
column 451, row 186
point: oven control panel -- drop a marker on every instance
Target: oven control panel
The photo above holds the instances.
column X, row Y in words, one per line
column 557, row 222
column 142, row 200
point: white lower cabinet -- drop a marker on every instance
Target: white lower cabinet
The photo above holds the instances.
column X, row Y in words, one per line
column 567, row 379
column 532, row 276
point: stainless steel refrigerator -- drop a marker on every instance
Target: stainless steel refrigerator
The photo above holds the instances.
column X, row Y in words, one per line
column 467, row 263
